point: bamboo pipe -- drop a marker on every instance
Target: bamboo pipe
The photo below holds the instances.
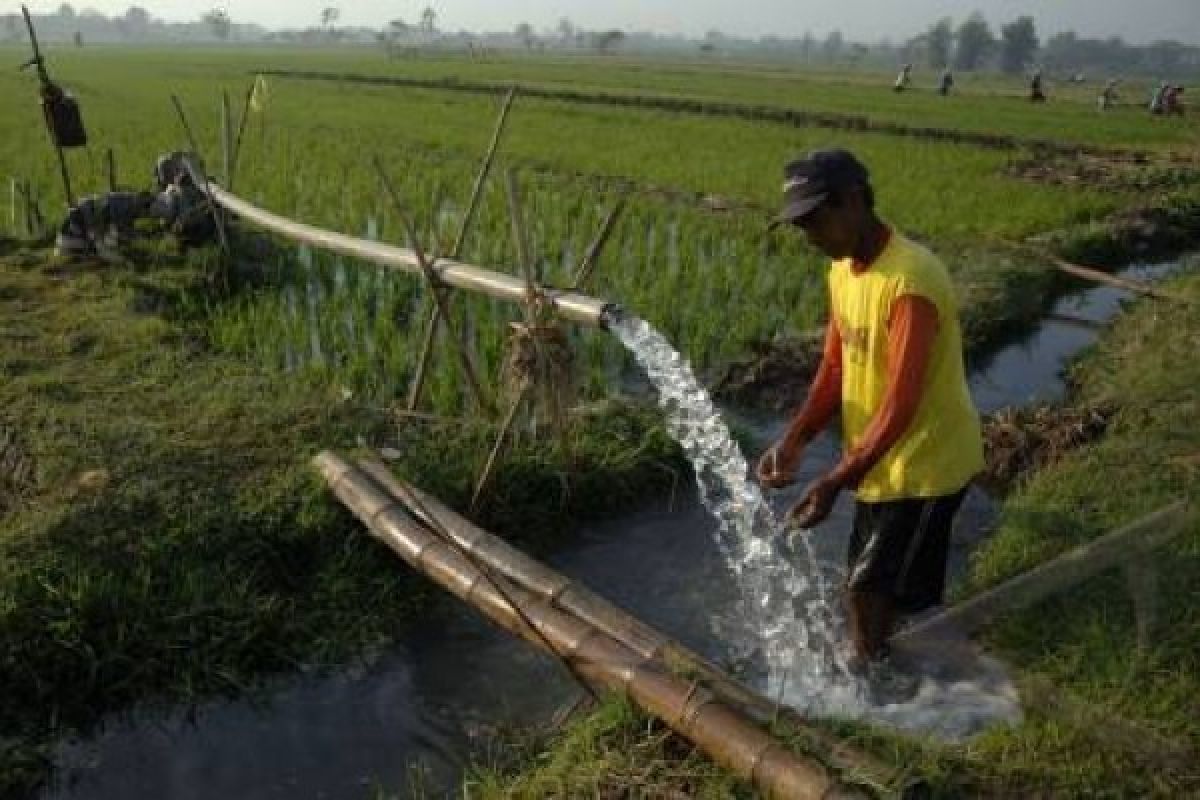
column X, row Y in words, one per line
column 1119, row 547
column 571, row 305
column 727, row 736
column 556, row 589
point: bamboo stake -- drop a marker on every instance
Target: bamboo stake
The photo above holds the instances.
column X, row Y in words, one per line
column 577, row 600
column 588, row 265
column 485, row 169
column 435, row 313
column 434, row 284
column 497, row 450
column 226, row 139
column 530, row 307
column 723, row 733
column 1094, row 275
column 111, row 158
column 237, row 145
column 200, row 178
column 524, row 257
column 1131, row 541
column 187, row 129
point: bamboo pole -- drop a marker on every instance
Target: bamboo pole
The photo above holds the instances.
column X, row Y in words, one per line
column 1092, row 274
column 485, row 169
column 521, row 238
column 1127, row 544
column 237, row 144
column 497, row 449
column 183, row 121
column 226, row 139
column 435, row 314
column 530, row 307
column 1096, row 276
column 586, row 267
column 727, row 736
column 434, row 284
column 572, row 598
column 574, row 306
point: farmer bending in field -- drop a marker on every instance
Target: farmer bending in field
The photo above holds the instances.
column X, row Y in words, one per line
column 893, row 366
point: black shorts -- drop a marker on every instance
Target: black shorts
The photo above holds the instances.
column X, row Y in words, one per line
column 898, row 548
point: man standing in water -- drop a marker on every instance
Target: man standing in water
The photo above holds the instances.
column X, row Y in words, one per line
column 893, row 366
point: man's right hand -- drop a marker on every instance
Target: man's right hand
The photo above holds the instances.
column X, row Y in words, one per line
column 776, row 467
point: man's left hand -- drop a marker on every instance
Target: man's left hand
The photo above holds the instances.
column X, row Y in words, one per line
column 817, row 502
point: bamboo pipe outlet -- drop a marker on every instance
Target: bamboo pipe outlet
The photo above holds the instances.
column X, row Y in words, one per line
column 884, row 780
column 724, row 734
column 571, row 305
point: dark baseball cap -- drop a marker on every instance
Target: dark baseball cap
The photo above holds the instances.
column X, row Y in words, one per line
column 810, row 180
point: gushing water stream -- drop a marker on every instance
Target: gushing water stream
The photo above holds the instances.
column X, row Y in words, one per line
column 786, row 614
column 786, row 619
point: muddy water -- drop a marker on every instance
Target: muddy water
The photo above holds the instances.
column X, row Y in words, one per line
column 405, row 722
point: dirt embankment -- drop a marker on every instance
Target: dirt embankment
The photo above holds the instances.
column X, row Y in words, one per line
column 1021, row 441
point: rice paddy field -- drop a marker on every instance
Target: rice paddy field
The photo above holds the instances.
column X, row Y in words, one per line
column 309, row 154
column 305, row 343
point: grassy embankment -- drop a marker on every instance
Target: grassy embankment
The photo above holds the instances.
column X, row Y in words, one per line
column 166, row 540
column 1130, row 722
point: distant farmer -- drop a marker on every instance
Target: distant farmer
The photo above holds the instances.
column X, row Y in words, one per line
column 946, row 83
column 1037, row 93
column 903, row 79
column 1158, row 99
column 893, row 367
column 1172, row 102
column 1108, row 95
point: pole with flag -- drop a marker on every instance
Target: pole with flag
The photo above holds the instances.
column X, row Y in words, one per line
column 259, row 95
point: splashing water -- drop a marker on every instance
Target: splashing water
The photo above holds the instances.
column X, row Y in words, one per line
column 787, row 613
column 787, row 617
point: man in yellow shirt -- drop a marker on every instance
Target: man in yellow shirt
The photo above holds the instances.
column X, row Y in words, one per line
column 893, row 366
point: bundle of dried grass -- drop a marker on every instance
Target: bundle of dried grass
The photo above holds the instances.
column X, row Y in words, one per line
column 1019, row 441
column 539, row 367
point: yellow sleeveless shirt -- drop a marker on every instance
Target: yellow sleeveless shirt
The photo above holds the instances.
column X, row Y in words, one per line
column 943, row 447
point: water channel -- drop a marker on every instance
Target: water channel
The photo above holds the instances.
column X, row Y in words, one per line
column 454, row 682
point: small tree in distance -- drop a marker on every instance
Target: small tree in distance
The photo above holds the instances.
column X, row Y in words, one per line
column 1019, row 45
column 938, row 40
column 975, row 43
